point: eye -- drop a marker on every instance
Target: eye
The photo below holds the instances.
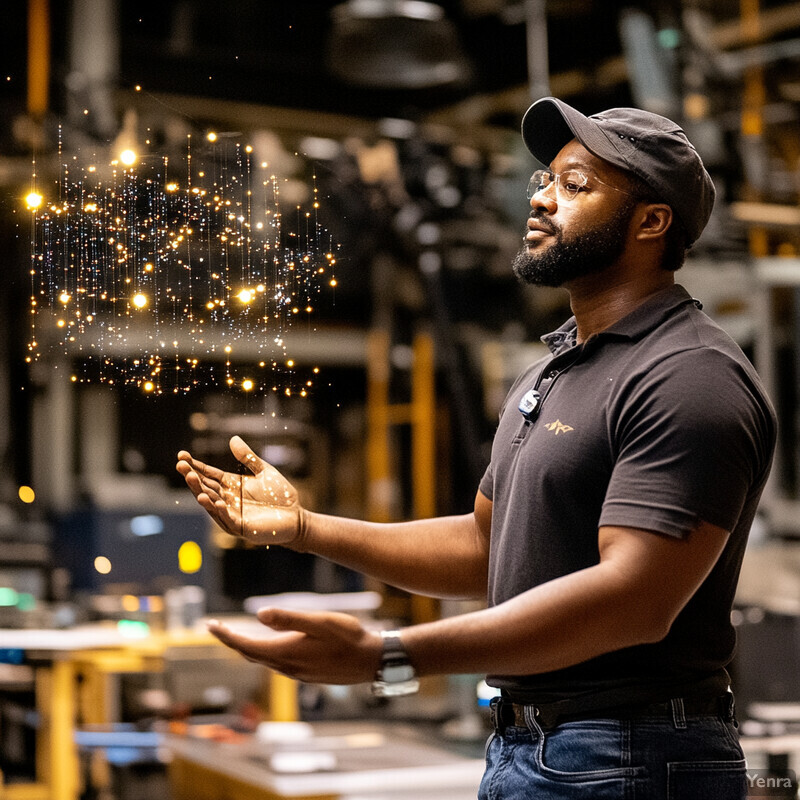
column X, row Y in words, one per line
column 573, row 182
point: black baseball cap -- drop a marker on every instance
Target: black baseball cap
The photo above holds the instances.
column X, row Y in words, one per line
column 650, row 146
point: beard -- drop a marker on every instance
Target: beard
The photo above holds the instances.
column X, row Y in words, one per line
column 574, row 256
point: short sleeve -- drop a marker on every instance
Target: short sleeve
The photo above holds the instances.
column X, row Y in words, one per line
column 693, row 439
column 486, row 485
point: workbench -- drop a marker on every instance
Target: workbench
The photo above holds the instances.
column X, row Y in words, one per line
column 73, row 670
column 338, row 761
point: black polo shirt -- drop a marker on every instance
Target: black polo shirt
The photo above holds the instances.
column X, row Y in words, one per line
column 657, row 423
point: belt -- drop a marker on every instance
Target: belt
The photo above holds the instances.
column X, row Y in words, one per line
column 504, row 714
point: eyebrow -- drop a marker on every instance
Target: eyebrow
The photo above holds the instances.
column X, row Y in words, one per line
column 575, row 164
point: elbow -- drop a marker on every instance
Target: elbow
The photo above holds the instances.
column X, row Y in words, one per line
column 652, row 626
column 638, row 618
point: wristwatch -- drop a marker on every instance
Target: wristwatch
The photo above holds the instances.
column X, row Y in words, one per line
column 395, row 676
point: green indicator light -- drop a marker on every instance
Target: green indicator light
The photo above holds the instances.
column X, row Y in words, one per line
column 133, row 629
column 669, row 38
column 8, row 596
column 26, row 602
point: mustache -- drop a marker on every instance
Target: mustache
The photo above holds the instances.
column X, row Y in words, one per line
column 544, row 222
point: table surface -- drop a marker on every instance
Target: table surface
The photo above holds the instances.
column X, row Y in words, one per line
column 352, row 757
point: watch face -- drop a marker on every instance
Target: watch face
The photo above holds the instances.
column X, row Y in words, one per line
column 383, row 689
column 397, row 673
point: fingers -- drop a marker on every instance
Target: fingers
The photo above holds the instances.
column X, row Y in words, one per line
column 214, row 490
column 264, row 651
column 247, row 647
column 245, row 455
column 186, row 463
column 209, row 497
column 281, row 619
column 312, row 623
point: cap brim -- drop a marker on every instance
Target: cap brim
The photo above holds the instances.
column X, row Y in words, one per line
column 550, row 123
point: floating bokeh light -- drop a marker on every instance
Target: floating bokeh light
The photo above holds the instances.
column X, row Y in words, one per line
column 150, row 270
column 128, row 157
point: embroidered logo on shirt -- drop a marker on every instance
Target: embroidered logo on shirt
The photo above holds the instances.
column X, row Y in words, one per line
column 559, row 427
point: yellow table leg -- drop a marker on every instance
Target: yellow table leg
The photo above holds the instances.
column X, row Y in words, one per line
column 57, row 759
column 282, row 698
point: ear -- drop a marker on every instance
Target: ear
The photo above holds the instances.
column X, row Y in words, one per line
column 654, row 221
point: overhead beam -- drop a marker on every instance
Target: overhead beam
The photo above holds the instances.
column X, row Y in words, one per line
column 607, row 74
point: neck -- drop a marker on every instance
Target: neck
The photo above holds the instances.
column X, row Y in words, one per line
column 598, row 303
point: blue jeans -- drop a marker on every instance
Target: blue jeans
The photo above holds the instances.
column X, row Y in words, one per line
column 678, row 758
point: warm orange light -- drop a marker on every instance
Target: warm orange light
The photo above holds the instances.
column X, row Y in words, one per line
column 102, row 565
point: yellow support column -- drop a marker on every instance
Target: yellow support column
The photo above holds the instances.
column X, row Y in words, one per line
column 753, row 101
column 380, row 483
column 423, row 452
column 282, row 698
column 423, row 427
column 56, row 756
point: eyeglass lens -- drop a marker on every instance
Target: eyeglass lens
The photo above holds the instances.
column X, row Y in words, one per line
column 568, row 184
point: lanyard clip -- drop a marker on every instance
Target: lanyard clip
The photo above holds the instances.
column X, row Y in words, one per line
column 530, row 404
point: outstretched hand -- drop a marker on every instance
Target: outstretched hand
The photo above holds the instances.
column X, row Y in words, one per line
column 261, row 508
column 310, row 646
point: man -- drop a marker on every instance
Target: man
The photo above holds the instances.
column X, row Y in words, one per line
column 609, row 527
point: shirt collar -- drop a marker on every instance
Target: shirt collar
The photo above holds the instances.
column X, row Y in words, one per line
column 643, row 319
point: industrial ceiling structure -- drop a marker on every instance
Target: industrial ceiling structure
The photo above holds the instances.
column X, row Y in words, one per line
column 410, row 111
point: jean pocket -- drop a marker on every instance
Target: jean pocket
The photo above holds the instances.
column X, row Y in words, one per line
column 578, row 752
column 707, row 780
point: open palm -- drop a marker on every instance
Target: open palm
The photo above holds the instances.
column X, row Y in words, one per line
column 262, row 507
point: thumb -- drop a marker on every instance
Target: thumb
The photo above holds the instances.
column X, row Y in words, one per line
column 283, row 619
column 243, row 453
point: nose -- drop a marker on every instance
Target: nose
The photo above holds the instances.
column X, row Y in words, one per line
column 545, row 198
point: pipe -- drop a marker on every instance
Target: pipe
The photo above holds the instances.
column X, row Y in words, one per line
column 38, row 57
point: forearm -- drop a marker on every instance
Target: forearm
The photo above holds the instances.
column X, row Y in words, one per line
column 553, row 626
column 441, row 557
